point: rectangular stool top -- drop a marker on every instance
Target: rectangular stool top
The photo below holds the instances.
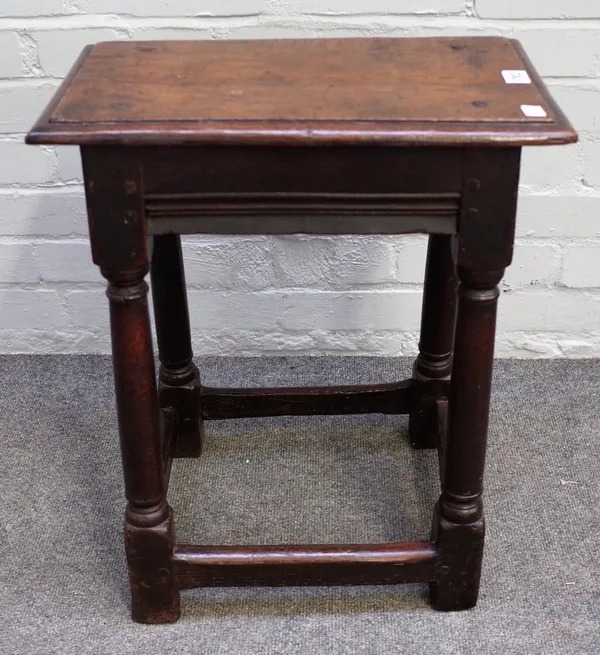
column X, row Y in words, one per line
column 421, row 91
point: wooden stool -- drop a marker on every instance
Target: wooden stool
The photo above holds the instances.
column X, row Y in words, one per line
column 358, row 136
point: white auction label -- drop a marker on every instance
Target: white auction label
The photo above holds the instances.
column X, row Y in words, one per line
column 533, row 111
column 516, row 77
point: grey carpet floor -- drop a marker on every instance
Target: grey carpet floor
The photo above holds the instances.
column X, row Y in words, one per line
column 63, row 582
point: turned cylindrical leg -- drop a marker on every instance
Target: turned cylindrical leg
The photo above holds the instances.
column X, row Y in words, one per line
column 179, row 380
column 458, row 527
column 148, row 523
column 434, row 361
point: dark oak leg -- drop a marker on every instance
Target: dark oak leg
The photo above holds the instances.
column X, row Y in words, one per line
column 434, row 361
column 148, row 522
column 458, row 526
column 179, row 380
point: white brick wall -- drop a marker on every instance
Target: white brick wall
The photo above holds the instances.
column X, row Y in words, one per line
column 10, row 61
column 310, row 295
column 319, row 7
column 173, row 8
column 58, row 49
column 537, row 9
column 20, row 104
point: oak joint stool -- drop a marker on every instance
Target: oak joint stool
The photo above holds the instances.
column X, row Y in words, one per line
column 328, row 136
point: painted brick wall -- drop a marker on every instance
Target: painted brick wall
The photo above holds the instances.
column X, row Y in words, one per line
column 308, row 295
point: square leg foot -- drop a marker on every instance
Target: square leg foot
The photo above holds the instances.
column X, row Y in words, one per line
column 141, row 614
column 155, row 597
column 427, row 393
column 180, row 393
column 448, row 601
column 422, row 428
column 458, row 572
column 189, row 437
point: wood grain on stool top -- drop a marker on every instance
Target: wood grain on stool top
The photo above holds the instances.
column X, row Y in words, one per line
column 354, row 91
